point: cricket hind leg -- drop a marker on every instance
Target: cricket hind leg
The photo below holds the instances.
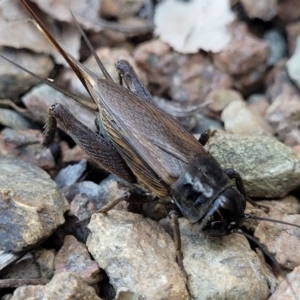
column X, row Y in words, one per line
column 101, row 151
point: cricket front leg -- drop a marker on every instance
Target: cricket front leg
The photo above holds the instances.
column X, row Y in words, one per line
column 132, row 81
column 100, row 150
column 173, row 215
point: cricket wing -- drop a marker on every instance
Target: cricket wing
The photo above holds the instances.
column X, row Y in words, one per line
column 154, row 145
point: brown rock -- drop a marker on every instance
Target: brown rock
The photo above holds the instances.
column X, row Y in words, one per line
column 120, row 9
column 278, row 83
column 40, row 98
column 244, row 54
column 25, row 145
column 74, row 257
column 63, row 286
column 293, row 31
column 288, row 10
column 289, row 288
column 185, row 78
column 30, row 206
column 72, row 154
column 281, row 240
column 284, row 116
column 262, row 9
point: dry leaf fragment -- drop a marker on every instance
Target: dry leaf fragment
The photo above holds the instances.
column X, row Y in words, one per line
column 196, row 24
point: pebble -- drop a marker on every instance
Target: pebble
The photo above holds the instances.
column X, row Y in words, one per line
column 288, row 10
column 185, row 78
column 239, row 119
column 244, row 54
column 279, row 83
column 218, row 99
column 25, row 145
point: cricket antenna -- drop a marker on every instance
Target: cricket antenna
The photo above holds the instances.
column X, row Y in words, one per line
column 271, row 257
column 248, row 216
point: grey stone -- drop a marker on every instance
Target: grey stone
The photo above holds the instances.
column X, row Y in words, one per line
column 63, row 286
column 25, row 145
column 70, row 174
column 13, row 81
column 39, row 99
column 13, row 119
column 278, row 46
column 137, row 255
column 31, row 208
column 268, row 167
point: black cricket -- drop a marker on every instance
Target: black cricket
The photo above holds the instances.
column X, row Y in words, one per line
column 140, row 143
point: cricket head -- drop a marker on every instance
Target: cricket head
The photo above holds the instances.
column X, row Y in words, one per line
column 205, row 194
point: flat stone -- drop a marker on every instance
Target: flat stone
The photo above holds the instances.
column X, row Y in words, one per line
column 137, row 255
column 31, row 208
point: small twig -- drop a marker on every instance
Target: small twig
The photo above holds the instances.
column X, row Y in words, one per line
column 14, row 283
